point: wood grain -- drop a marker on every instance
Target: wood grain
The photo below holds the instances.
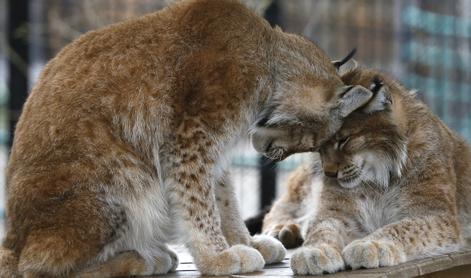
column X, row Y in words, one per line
column 439, row 266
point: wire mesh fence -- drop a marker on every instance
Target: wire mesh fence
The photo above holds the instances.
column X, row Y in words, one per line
column 425, row 44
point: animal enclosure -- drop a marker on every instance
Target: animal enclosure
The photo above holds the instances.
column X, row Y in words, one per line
column 425, row 44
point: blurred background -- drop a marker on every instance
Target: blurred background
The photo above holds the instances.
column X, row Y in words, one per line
column 425, row 44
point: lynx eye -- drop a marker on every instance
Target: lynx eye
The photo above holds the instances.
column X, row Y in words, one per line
column 342, row 142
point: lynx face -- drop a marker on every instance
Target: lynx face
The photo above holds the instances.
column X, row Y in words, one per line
column 292, row 125
column 308, row 99
column 369, row 147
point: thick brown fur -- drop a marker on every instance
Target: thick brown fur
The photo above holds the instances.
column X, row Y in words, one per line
column 120, row 147
column 392, row 185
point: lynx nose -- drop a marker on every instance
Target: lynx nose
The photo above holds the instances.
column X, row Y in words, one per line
column 330, row 170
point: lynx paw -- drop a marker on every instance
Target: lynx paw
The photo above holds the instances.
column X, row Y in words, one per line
column 236, row 259
column 289, row 235
column 316, row 260
column 372, row 254
column 271, row 249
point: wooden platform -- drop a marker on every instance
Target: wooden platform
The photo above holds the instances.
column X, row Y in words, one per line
column 455, row 265
column 452, row 265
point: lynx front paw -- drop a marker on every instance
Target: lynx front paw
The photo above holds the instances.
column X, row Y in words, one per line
column 372, row 254
column 271, row 249
column 237, row 259
column 289, row 235
column 316, row 260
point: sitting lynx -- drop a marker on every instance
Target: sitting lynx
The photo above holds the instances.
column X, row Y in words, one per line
column 393, row 184
column 120, row 147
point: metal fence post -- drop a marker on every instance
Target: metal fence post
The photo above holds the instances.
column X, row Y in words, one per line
column 268, row 169
column 18, row 60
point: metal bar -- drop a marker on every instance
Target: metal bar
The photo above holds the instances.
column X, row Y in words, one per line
column 268, row 169
column 268, row 173
column 18, row 60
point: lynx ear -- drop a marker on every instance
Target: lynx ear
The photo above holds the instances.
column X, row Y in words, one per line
column 381, row 99
column 352, row 99
column 338, row 63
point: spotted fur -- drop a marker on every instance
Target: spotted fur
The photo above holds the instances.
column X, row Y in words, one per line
column 122, row 144
column 395, row 186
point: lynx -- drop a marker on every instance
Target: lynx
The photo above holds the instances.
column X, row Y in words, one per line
column 392, row 185
column 121, row 146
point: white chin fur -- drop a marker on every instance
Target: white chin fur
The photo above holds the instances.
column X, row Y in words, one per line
column 376, row 169
column 350, row 184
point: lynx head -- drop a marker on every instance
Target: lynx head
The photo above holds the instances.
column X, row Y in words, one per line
column 309, row 102
column 370, row 147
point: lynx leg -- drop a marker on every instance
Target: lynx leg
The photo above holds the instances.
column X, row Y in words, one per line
column 280, row 224
column 280, row 221
column 280, row 218
column 321, row 251
column 191, row 185
column 418, row 235
column 411, row 237
column 232, row 225
column 234, row 228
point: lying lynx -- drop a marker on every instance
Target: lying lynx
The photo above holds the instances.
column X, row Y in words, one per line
column 392, row 185
column 120, row 147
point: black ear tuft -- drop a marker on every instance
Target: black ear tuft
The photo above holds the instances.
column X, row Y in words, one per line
column 377, row 84
column 338, row 64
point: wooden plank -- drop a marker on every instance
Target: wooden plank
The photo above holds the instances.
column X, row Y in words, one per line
column 455, row 264
column 461, row 258
column 463, row 271
column 434, row 264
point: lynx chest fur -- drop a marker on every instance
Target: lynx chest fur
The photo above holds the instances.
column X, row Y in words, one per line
column 375, row 208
